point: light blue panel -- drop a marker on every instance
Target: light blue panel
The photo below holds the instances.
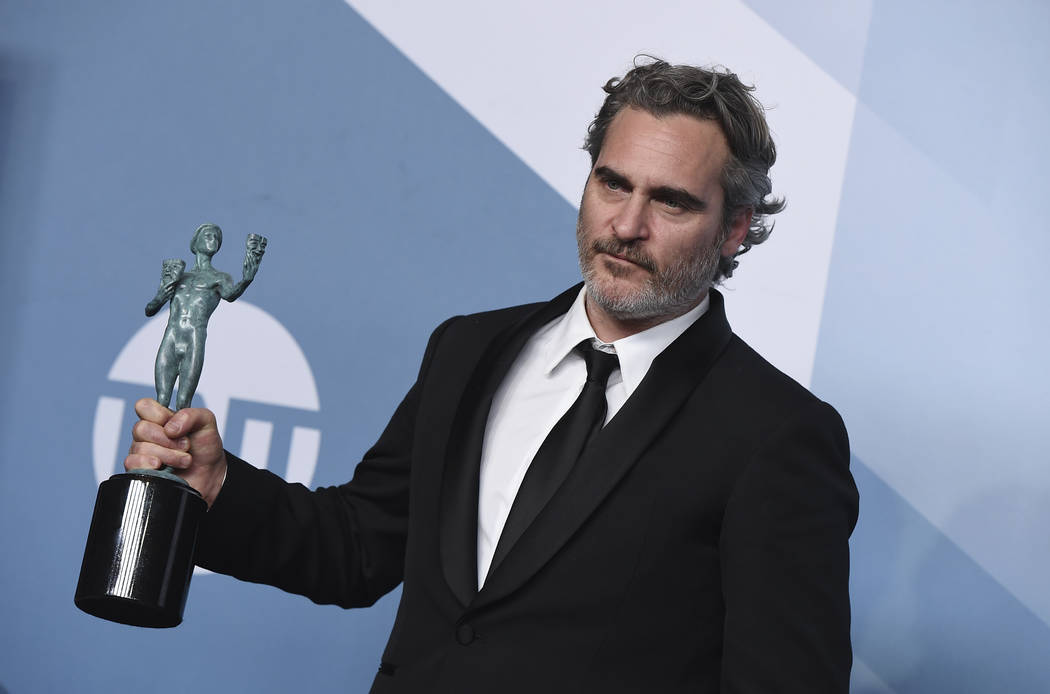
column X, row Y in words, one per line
column 933, row 345
column 124, row 125
column 864, row 681
column 927, row 618
column 933, row 351
column 832, row 33
column 930, row 362
column 965, row 82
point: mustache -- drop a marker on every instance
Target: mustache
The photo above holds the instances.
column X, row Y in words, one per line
column 625, row 250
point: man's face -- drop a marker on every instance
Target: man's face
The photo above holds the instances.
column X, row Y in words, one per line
column 650, row 225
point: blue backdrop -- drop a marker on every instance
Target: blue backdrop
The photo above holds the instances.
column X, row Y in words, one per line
column 395, row 194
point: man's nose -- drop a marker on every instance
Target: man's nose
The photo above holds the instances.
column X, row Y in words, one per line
column 631, row 222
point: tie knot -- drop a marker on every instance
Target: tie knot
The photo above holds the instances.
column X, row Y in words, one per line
column 600, row 365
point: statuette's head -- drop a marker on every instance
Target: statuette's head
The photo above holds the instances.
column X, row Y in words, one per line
column 207, row 239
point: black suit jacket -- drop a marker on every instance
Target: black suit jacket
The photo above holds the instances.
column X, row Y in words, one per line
column 699, row 545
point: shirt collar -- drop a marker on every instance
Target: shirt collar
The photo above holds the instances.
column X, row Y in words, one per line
column 635, row 352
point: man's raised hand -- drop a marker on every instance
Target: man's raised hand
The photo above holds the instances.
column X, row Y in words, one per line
column 188, row 441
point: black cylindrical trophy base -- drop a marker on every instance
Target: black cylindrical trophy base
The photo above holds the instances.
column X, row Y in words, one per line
column 139, row 555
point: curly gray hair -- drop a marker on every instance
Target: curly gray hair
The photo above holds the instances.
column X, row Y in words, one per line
column 709, row 94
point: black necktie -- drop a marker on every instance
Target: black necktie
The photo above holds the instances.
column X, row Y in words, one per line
column 561, row 449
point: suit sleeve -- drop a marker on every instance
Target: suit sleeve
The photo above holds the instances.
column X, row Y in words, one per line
column 785, row 561
column 341, row 545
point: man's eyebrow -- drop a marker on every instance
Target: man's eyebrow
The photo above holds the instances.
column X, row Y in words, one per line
column 681, row 196
column 663, row 193
column 604, row 173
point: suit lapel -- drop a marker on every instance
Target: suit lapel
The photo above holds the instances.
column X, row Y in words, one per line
column 673, row 376
column 460, row 481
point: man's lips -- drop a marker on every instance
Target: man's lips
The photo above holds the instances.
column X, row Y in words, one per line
column 625, row 259
column 620, row 257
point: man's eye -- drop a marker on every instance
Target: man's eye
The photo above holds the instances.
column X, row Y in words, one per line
column 673, row 204
column 613, row 185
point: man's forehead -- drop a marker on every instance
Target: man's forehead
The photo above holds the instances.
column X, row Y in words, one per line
column 639, row 142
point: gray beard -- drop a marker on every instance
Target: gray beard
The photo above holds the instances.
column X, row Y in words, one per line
column 666, row 293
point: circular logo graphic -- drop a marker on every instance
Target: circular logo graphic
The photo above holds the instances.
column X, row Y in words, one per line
column 252, row 361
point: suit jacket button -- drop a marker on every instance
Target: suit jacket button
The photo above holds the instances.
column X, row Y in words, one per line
column 465, row 634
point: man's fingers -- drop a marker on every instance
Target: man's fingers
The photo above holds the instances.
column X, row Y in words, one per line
column 140, row 461
column 188, row 422
column 149, row 432
column 152, row 411
column 143, row 454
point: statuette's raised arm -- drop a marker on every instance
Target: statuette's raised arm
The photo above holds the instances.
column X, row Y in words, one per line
column 255, row 247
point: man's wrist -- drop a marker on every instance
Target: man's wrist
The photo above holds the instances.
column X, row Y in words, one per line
column 218, row 490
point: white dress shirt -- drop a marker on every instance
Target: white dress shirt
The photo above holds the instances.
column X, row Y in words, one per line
column 541, row 385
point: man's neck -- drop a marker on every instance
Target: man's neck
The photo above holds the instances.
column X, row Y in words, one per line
column 610, row 328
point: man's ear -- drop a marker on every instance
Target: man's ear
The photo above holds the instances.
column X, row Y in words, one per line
column 738, row 228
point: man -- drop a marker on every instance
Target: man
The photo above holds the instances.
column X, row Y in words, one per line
column 695, row 542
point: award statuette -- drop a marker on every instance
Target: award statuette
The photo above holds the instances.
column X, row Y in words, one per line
column 138, row 560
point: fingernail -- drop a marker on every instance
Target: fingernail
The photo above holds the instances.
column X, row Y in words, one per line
column 184, row 443
column 154, row 463
column 174, row 427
